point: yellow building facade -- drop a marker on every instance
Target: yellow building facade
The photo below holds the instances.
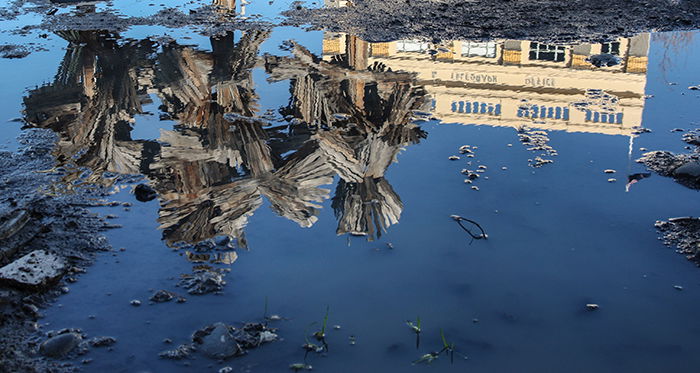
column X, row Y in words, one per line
column 517, row 82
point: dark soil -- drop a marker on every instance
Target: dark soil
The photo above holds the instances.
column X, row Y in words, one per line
column 58, row 223
column 541, row 20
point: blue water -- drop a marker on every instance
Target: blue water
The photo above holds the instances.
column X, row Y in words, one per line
column 559, row 237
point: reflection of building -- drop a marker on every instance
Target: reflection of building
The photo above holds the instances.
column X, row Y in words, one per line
column 514, row 82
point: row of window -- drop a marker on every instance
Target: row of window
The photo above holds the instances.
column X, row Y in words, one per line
column 533, row 112
column 538, row 51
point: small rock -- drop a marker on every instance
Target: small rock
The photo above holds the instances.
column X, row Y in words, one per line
column 336, row 327
column 181, row 352
column 60, row 345
column 217, row 341
column 102, row 341
column 612, row 180
column 135, row 302
column 592, row 306
column 226, row 370
column 678, row 287
column 35, row 270
column 609, row 171
column 145, row 193
column 162, row 296
column 453, row 158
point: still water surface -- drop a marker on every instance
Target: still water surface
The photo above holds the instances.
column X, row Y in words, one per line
column 334, row 182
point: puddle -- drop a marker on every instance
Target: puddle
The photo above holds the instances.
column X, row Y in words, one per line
column 312, row 176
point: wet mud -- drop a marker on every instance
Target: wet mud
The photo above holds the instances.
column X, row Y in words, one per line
column 580, row 20
column 39, row 226
column 684, row 168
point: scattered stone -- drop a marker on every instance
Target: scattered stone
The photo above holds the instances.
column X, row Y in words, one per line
column 592, row 306
column 135, row 302
column 203, row 281
column 162, row 296
column 167, row 341
column 35, row 271
column 103, row 341
column 474, row 187
column 612, row 180
column 217, row 341
column 60, row 345
column 678, row 287
column 226, row 370
column 145, row 193
column 694, row 87
column 453, row 158
column 13, row 51
column 336, row 327
column 300, row 366
column 609, row 171
column 181, row 352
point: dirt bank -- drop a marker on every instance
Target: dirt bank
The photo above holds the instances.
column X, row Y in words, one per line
column 684, row 168
column 541, row 20
column 35, row 219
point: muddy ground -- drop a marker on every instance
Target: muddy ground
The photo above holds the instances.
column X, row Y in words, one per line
column 681, row 232
column 541, row 20
column 57, row 224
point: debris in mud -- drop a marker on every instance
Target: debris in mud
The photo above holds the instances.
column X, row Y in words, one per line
column 221, row 341
column 459, row 220
column 536, row 140
column 13, row 51
column 35, row 270
column 203, row 280
column 145, row 193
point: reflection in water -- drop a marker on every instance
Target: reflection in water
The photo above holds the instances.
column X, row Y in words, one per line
column 517, row 82
column 213, row 169
column 349, row 115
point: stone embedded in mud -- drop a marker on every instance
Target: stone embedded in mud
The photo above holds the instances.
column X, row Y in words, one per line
column 60, row 345
column 102, row 341
column 217, row 341
column 689, row 170
column 145, row 193
column 35, row 270
column 162, row 296
column 203, row 281
column 13, row 223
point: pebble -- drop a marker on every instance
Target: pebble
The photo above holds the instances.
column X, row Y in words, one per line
column 135, row 302
column 453, row 158
column 592, row 306
column 474, row 187
column 609, row 171
column 612, row 180
column 678, row 287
